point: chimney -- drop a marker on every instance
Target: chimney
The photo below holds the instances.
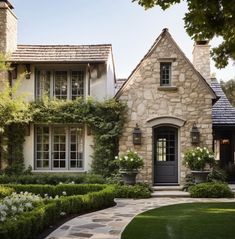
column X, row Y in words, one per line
column 8, row 28
column 201, row 59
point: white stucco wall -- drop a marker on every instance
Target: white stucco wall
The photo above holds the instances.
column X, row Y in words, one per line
column 110, row 77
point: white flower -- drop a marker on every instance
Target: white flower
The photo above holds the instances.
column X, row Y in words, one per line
column 64, row 193
column 193, row 154
column 72, row 182
column 60, row 183
column 199, row 158
column 116, row 157
column 126, row 157
column 62, row 214
column 132, row 159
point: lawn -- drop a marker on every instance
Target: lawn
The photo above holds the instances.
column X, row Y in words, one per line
column 184, row 221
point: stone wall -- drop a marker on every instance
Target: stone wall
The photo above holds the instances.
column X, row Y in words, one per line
column 189, row 99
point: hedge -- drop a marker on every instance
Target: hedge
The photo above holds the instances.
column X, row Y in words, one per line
column 211, row 190
column 29, row 224
column 51, row 178
column 50, row 190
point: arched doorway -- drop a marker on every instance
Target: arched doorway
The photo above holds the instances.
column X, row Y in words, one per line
column 165, row 149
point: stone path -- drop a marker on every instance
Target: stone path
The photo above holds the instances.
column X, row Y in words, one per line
column 109, row 223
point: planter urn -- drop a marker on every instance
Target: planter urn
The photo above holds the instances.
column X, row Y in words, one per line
column 129, row 176
column 200, row 176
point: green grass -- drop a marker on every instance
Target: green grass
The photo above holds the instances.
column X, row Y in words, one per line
column 184, row 221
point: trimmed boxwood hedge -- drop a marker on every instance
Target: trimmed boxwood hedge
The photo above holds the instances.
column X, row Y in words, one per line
column 29, row 224
column 52, row 178
column 210, row 190
column 135, row 191
column 50, row 190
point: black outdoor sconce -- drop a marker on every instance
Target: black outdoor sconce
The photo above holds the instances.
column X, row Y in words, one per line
column 195, row 134
column 137, row 135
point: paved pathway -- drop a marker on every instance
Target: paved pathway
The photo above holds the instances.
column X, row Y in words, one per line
column 109, row 223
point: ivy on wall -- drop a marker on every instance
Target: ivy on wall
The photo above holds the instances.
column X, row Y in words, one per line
column 105, row 119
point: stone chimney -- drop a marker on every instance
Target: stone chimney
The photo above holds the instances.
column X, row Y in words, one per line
column 201, row 59
column 8, row 28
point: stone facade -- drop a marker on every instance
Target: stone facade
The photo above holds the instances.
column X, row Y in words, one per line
column 8, row 29
column 187, row 100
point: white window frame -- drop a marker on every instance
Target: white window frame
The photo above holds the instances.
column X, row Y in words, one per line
column 67, row 148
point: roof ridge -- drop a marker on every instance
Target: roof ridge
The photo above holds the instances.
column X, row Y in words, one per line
column 59, row 45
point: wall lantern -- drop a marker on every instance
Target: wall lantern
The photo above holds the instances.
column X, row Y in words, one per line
column 28, row 72
column 137, row 135
column 195, row 134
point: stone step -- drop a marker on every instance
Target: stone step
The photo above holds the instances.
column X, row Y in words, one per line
column 167, row 188
column 171, row 194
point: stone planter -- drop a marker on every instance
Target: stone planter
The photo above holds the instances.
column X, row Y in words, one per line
column 200, row 176
column 129, row 177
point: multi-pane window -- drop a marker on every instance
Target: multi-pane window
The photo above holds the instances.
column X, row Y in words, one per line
column 59, row 148
column 165, row 73
column 61, row 84
column 166, row 145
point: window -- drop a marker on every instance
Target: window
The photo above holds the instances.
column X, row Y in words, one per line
column 59, row 148
column 165, row 73
column 60, row 84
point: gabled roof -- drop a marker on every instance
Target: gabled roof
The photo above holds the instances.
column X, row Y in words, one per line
column 223, row 113
column 165, row 33
column 62, row 53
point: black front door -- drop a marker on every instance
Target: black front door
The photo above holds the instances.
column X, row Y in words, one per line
column 165, row 155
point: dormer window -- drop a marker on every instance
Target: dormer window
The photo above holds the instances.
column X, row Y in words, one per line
column 165, row 74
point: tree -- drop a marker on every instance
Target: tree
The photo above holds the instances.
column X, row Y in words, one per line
column 205, row 20
column 229, row 90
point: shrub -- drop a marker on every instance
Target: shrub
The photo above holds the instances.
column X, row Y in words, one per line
column 230, row 171
column 198, row 158
column 128, row 191
column 29, row 224
column 60, row 189
column 51, row 178
column 211, row 190
column 217, row 175
column 5, row 191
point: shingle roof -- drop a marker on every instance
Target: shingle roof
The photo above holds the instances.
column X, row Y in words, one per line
column 119, row 83
column 223, row 113
column 61, row 53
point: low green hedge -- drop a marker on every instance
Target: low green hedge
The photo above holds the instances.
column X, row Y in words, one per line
column 211, row 190
column 135, row 191
column 60, row 189
column 5, row 191
column 52, row 178
column 29, row 224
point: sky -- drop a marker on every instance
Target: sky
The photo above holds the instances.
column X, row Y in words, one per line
column 127, row 26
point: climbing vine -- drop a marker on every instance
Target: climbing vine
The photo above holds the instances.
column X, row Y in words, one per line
column 105, row 119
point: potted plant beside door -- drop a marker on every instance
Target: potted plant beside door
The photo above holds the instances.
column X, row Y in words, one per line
column 129, row 165
column 200, row 161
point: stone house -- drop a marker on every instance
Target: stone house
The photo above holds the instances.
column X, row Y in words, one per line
column 61, row 72
column 166, row 96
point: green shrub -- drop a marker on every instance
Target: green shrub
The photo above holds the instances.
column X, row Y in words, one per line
column 60, row 189
column 51, row 178
column 5, row 191
column 211, row 190
column 217, row 175
column 29, row 224
column 128, row 191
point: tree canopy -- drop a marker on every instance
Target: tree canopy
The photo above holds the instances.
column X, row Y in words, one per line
column 205, row 20
column 229, row 90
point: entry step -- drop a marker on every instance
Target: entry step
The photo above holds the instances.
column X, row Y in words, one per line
column 171, row 194
column 167, row 188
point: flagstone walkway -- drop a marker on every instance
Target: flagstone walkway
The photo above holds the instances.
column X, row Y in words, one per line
column 109, row 223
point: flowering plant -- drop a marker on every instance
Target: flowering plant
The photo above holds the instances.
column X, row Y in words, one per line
column 130, row 161
column 199, row 158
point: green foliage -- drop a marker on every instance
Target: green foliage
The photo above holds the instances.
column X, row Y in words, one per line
column 189, row 181
column 29, row 224
column 105, row 119
column 229, row 90
column 69, row 189
column 136, row 191
column 211, row 190
column 5, row 191
column 198, row 158
column 130, row 161
column 205, row 20
column 217, row 175
column 230, row 172
column 51, row 178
